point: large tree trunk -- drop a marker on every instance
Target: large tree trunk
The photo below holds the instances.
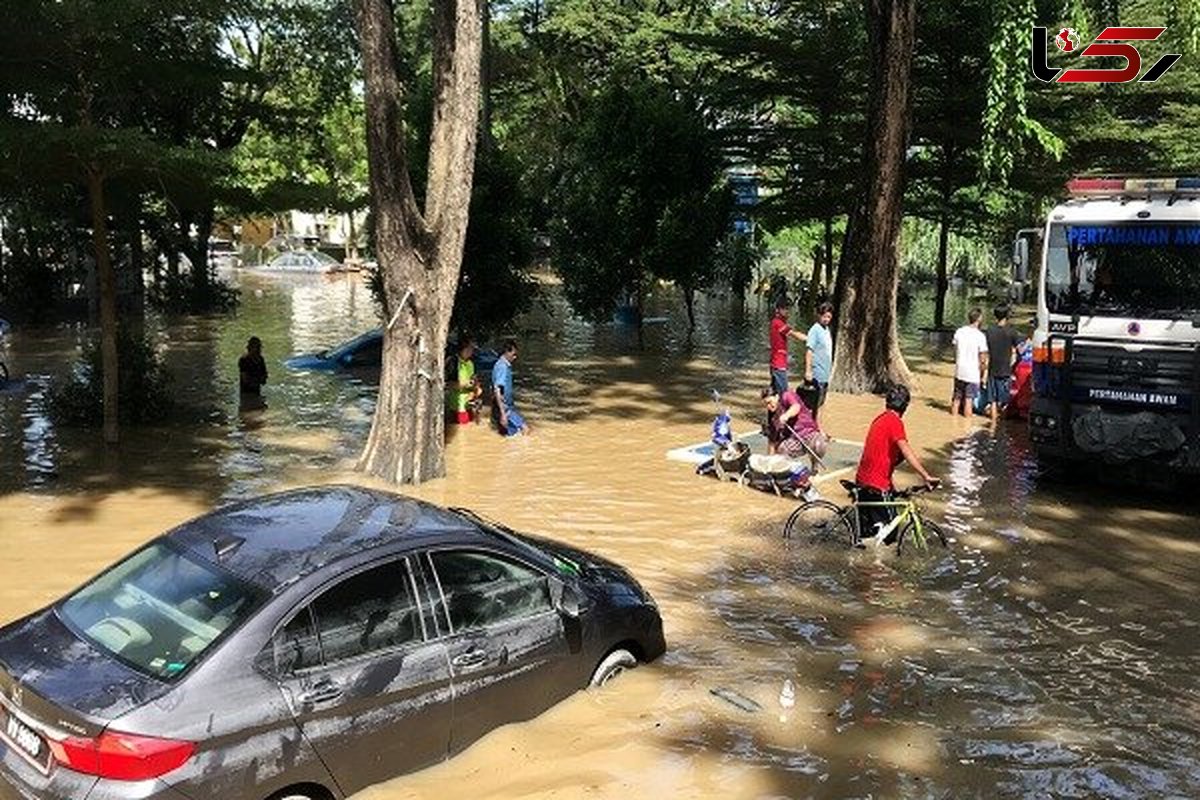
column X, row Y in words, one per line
column 868, row 349
column 689, row 300
column 419, row 252
column 943, row 279
column 828, row 254
column 106, row 281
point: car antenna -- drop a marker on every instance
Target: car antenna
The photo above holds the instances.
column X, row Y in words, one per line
column 227, row 544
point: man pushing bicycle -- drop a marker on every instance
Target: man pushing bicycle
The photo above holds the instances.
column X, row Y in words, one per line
column 885, row 448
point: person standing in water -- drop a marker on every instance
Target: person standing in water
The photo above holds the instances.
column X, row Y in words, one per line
column 467, row 392
column 252, row 369
column 970, row 364
column 504, row 410
column 1002, row 342
column 779, row 334
column 818, row 358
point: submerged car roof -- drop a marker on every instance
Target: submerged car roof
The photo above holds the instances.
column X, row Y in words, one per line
column 276, row 539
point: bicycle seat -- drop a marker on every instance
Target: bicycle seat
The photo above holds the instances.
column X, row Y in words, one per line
column 850, row 486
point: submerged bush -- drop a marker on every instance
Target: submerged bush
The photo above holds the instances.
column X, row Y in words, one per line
column 143, row 385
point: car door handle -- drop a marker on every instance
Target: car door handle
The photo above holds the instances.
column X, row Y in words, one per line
column 471, row 658
column 325, row 691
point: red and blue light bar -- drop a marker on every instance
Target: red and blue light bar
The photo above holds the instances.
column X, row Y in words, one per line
column 1109, row 187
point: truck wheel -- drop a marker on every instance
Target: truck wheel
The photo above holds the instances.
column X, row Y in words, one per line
column 614, row 664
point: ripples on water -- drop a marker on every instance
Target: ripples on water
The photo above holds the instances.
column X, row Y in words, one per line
column 1051, row 652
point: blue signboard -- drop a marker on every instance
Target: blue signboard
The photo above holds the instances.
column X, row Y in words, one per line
column 1134, row 235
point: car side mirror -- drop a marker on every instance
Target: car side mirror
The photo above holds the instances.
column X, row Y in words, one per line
column 1020, row 260
column 566, row 598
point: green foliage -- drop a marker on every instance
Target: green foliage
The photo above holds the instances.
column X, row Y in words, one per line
column 972, row 258
column 494, row 285
column 736, row 261
column 642, row 196
column 144, row 388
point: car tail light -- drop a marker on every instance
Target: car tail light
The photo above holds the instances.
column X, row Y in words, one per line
column 122, row 756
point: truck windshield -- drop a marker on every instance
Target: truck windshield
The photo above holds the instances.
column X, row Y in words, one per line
column 1147, row 270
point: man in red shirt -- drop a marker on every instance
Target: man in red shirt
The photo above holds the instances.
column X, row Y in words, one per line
column 884, row 450
column 780, row 331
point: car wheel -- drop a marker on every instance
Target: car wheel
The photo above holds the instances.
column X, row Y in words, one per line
column 614, row 664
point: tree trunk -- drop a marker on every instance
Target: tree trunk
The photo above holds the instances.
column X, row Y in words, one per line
column 137, row 257
column 828, row 253
column 487, row 140
column 943, row 280
column 106, row 280
column 419, row 252
column 351, row 237
column 689, row 300
column 814, row 282
column 201, row 275
column 868, row 356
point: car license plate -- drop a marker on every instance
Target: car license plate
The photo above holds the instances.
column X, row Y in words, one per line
column 25, row 740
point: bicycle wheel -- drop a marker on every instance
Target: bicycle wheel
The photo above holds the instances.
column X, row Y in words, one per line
column 929, row 528
column 819, row 519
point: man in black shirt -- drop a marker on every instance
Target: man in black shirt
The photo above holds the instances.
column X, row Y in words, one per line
column 1002, row 350
column 252, row 369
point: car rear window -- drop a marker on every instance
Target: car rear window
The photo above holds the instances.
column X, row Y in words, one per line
column 159, row 609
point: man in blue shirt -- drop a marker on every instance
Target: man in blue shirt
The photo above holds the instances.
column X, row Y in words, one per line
column 504, row 410
column 818, row 358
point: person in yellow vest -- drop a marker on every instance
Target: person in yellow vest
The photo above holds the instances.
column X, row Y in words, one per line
column 467, row 393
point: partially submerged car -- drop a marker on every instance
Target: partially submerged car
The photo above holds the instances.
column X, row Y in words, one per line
column 305, row 261
column 304, row 645
column 364, row 351
column 223, row 254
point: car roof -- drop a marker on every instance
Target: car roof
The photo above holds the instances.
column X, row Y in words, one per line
column 276, row 539
column 360, row 341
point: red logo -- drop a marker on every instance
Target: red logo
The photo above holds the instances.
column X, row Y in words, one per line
column 1112, row 43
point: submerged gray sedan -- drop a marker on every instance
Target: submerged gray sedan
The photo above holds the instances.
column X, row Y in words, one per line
column 305, row 645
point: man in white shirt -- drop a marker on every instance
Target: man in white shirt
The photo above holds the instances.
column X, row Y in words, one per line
column 970, row 364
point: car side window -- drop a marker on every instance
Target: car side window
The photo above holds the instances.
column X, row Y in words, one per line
column 296, row 645
column 373, row 610
column 482, row 589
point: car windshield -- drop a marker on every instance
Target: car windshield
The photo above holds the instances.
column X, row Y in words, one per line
column 1148, row 270
column 159, row 609
column 323, row 259
column 220, row 247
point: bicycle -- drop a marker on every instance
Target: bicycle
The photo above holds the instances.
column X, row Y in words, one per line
column 823, row 519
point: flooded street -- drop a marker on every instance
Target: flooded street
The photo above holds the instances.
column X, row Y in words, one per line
column 1051, row 652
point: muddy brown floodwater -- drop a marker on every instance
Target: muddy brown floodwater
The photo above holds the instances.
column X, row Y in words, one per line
column 1051, row 652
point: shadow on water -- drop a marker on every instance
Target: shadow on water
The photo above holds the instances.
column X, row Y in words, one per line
column 1051, row 652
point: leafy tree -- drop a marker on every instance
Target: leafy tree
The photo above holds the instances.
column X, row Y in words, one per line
column 77, row 80
column 643, row 196
column 494, row 285
column 792, row 98
column 949, row 99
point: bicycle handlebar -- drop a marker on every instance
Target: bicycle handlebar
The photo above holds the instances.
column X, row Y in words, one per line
column 920, row 488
